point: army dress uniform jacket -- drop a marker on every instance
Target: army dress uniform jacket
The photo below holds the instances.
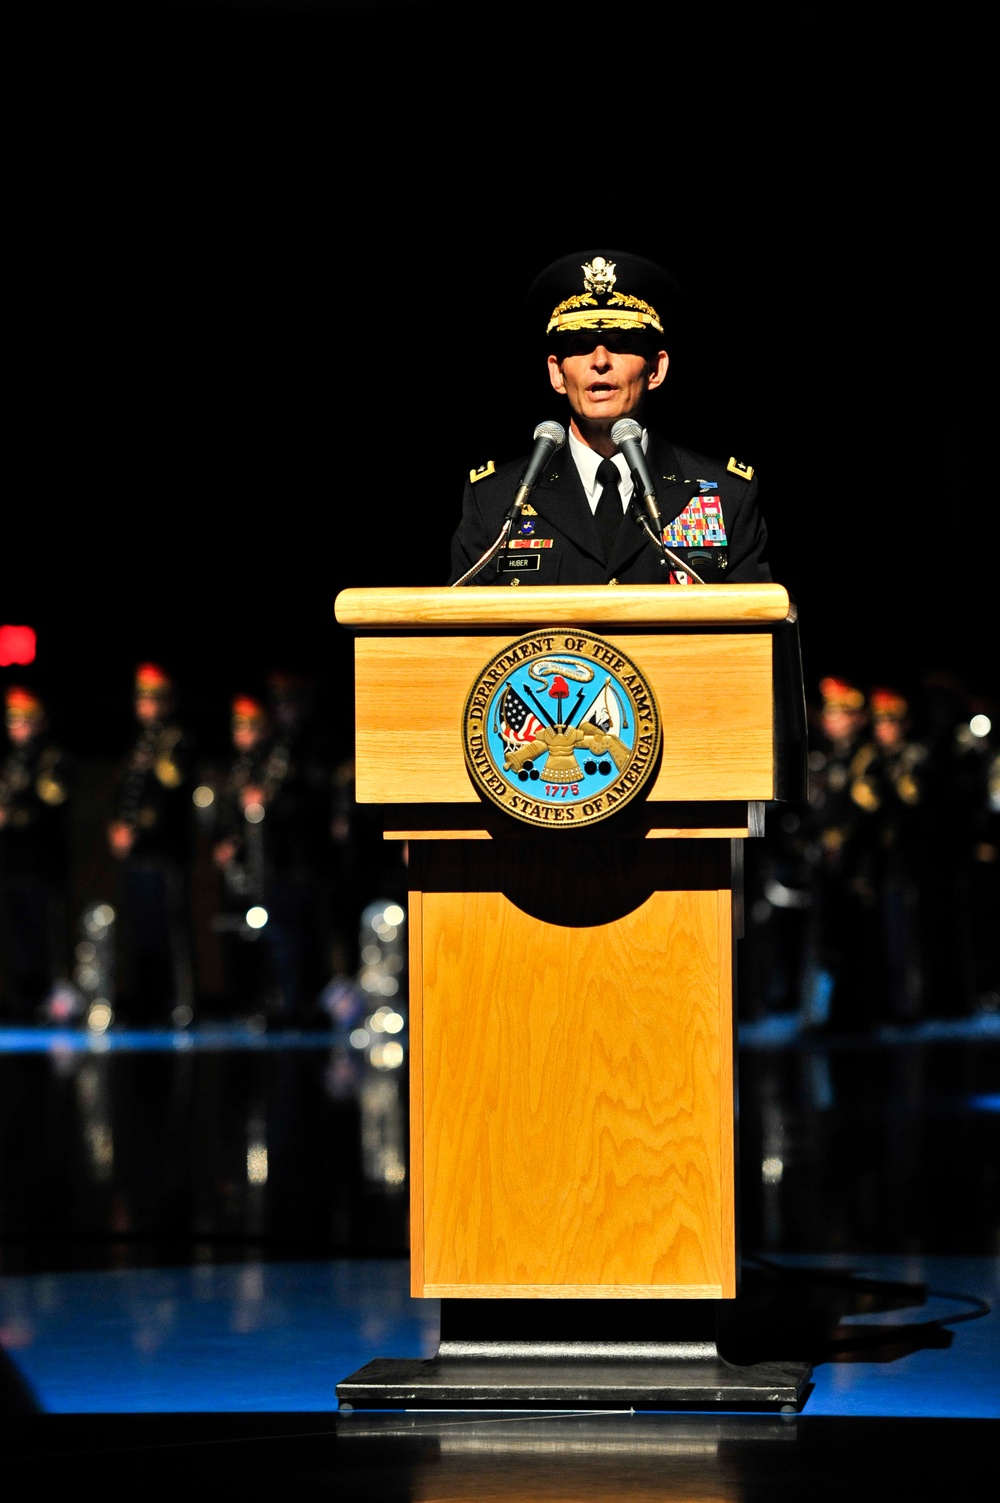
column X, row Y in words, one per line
column 709, row 514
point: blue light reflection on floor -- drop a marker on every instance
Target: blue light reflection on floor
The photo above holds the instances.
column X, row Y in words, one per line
column 253, row 1337
column 785, row 1029
column 270, row 1338
column 778, row 1030
column 228, row 1036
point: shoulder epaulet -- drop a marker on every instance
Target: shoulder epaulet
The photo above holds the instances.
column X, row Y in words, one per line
column 489, row 468
column 737, row 467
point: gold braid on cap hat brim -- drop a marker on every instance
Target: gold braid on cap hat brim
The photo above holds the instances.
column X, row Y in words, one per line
column 582, row 312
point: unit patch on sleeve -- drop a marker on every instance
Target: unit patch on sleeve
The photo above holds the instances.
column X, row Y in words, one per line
column 700, row 525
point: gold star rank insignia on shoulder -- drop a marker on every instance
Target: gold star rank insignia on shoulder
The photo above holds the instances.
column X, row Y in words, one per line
column 484, row 469
column 736, row 467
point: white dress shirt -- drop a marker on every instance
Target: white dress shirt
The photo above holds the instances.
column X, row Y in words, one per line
column 587, row 461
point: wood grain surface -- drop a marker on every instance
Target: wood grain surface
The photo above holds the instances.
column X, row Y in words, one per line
column 413, row 609
column 573, row 1130
column 713, row 690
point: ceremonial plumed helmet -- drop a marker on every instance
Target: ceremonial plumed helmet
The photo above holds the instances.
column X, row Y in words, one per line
column 600, row 289
column 247, row 711
column 840, row 694
column 151, row 681
column 888, row 704
column 21, row 701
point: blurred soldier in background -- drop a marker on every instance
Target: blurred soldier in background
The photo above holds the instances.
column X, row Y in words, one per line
column 272, row 839
column 986, row 868
column 36, row 779
column 956, row 778
column 150, row 833
column 238, row 852
column 890, row 786
column 841, row 992
column 328, row 859
column 300, row 844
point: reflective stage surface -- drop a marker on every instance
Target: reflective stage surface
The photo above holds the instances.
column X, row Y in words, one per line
column 889, row 1336
column 203, row 1232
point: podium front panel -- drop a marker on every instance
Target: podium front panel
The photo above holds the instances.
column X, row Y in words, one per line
column 714, row 690
column 572, row 1043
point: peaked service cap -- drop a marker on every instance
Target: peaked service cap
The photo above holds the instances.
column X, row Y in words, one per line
column 601, row 289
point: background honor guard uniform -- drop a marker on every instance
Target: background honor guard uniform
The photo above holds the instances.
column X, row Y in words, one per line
column 955, row 780
column 36, row 779
column 986, row 876
column 708, row 507
column 299, row 846
column 151, row 834
column 271, row 845
column 890, row 785
column 246, row 788
column 843, row 987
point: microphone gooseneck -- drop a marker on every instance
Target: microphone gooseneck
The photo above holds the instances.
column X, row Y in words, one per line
column 548, row 438
column 627, row 436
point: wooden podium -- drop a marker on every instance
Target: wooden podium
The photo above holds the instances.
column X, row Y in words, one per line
column 571, row 1010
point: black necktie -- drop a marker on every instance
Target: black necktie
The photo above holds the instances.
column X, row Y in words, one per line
column 609, row 505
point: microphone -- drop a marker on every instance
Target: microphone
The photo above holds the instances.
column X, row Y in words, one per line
column 548, row 438
column 627, row 435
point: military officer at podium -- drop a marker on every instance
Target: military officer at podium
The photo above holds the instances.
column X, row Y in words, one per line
column 601, row 319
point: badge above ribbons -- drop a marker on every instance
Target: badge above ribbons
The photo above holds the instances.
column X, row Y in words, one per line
column 561, row 729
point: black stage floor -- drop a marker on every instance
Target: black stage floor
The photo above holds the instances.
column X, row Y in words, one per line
column 542, row 1459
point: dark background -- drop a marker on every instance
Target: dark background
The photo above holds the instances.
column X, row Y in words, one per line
column 269, row 264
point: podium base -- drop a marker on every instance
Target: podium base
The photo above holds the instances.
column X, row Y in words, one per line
column 585, row 1353
column 508, row 1381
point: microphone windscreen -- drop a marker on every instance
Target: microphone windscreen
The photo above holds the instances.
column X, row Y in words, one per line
column 625, row 428
column 554, row 431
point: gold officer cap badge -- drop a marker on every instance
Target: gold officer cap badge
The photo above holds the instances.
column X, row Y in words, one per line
column 598, row 275
column 599, row 306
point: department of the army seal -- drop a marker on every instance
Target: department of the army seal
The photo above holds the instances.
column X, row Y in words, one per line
column 561, row 729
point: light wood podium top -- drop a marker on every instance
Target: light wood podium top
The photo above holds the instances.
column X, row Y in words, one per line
column 413, row 609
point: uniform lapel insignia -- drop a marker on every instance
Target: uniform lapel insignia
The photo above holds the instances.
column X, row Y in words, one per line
column 489, row 468
column 736, row 467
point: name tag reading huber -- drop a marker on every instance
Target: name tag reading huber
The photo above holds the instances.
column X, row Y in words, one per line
column 519, row 564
